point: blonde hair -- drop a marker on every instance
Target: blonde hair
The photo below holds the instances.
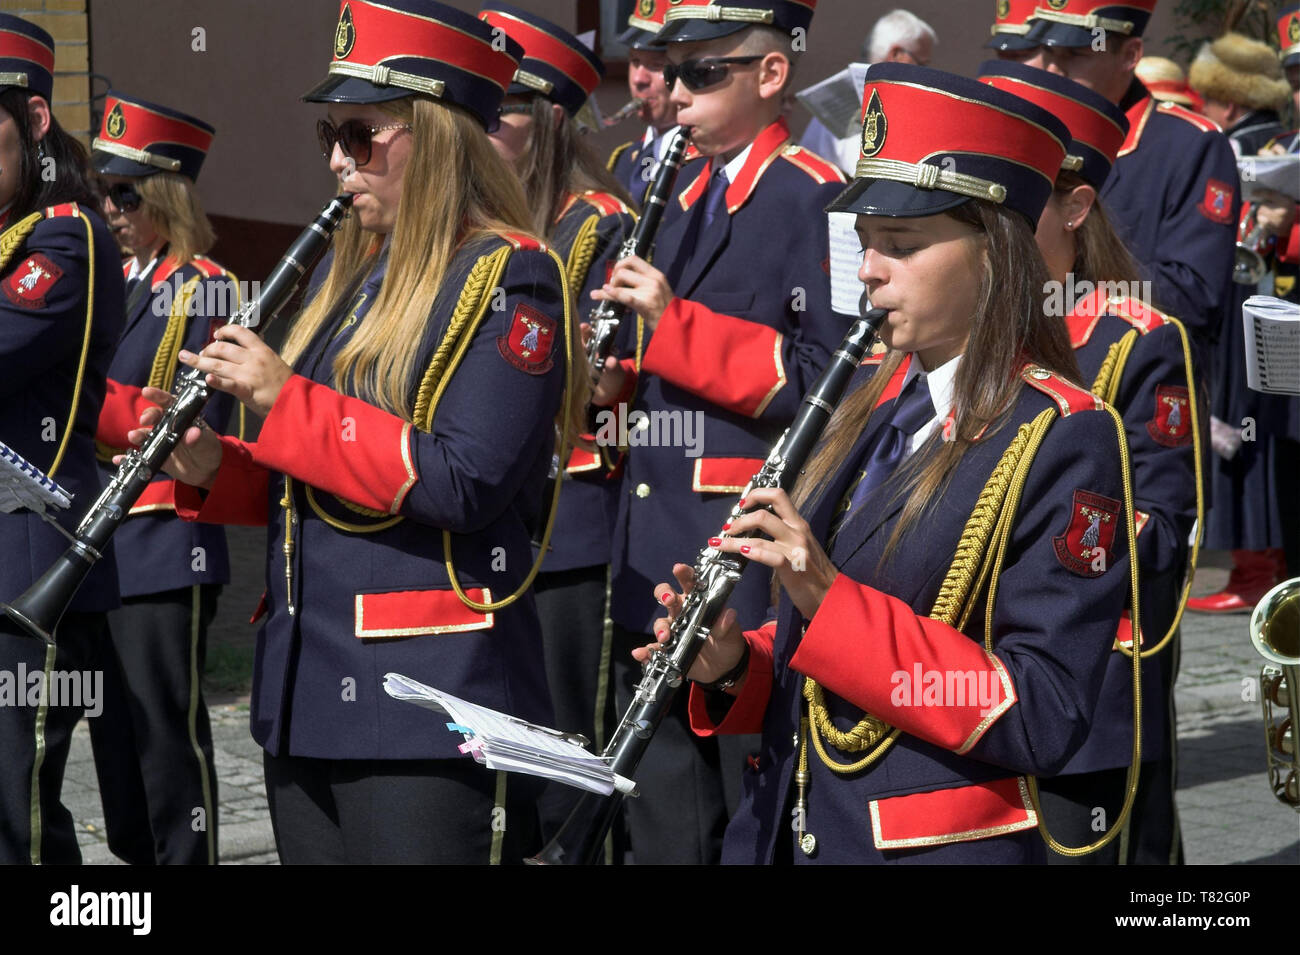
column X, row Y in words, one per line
column 455, row 189
column 172, row 205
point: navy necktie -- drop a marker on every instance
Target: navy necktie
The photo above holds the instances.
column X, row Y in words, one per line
column 912, row 410
column 715, row 199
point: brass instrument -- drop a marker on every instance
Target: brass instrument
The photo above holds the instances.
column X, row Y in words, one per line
column 624, row 112
column 1248, row 265
column 1275, row 632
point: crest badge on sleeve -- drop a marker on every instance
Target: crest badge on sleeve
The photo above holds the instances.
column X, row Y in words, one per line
column 528, row 344
column 1217, row 204
column 1172, row 425
column 28, row 284
column 1085, row 547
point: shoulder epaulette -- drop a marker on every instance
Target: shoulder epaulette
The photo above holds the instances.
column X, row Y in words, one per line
column 62, row 209
column 521, row 241
column 607, row 205
column 207, row 267
column 1068, row 396
column 1139, row 314
column 821, row 170
column 1082, row 321
column 1196, row 119
column 616, row 155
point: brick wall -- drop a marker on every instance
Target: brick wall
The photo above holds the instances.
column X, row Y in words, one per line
column 68, row 23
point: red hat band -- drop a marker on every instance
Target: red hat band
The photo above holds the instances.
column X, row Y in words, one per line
column 540, row 45
column 1012, row 16
column 1114, row 17
column 131, row 131
column 649, row 15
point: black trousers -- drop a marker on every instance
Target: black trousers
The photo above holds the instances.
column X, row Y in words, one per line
column 153, row 743
column 402, row 812
column 571, row 604
column 35, row 826
column 1076, row 807
column 689, row 785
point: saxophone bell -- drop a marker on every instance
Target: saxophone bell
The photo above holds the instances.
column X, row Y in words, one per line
column 1275, row 632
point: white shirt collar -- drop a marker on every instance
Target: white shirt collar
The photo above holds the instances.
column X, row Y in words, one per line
column 942, row 384
column 136, row 271
column 733, row 168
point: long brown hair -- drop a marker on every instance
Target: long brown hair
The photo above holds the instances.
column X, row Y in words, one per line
column 559, row 163
column 1099, row 253
column 172, row 204
column 1007, row 330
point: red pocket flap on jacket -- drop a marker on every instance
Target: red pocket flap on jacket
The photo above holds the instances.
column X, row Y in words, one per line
column 414, row 613
column 952, row 815
column 724, row 475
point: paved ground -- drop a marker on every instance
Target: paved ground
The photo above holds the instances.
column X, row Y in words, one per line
column 1228, row 813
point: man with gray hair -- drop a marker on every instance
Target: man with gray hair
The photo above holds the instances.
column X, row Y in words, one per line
column 897, row 37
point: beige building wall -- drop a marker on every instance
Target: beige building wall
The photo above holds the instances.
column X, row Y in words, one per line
column 246, row 69
column 66, row 21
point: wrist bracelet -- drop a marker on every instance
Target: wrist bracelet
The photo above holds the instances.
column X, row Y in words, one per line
column 732, row 676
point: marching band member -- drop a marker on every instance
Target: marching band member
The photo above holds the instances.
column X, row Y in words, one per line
column 152, row 743
column 583, row 214
column 1241, row 84
column 738, row 322
column 1137, row 359
column 409, row 428
column 994, row 560
column 1011, row 28
column 1173, row 192
column 635, row 163
column 60, row 316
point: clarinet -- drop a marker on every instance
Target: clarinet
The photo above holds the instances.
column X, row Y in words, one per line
column 582, row 836
column 606, row 317
column 38, row 611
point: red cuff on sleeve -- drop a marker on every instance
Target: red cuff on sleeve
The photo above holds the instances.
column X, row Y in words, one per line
column 238, row 495
column 915, row 673
column 1290, row 252
column 338, row 444
column 745, row 370
column 123, row 405
column 746, row 713
column 629, row 384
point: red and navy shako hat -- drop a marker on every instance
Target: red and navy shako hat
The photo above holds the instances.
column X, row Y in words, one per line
column 932, row 140
column 646, row 21
column 1011, row 23
column 1071, row 23
column 140, row 139
column 26, row 56
column 1288, row 35
column 384, row 51
column 556, row 64
column 690, row 21
column 1097, row 126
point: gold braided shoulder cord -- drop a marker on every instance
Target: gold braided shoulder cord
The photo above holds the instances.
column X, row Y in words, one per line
column 953, row 606
column 1002, row 536
column 581, row 254
column 562, row 449
column 163, row 372
column 1106, row 387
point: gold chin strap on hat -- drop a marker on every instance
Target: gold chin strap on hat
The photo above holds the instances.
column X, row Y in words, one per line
column 135, row 155
column 385, row 76
column 1088, row 21
column 716, row 14
column 926, row 176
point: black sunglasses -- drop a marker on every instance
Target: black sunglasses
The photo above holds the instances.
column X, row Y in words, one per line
column 353, row 136
column 123, row 195
column 700, row 74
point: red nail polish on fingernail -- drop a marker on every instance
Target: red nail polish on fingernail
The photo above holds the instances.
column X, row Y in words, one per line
column 726, row 526
column 715, row 541
column 667, row 598
column 744, row 549
column 742, row 503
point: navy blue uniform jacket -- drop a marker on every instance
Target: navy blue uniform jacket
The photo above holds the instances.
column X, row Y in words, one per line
column 748, row 332
column 365, row 589
column 186, row 305
column 54, row 353
column 953, row 783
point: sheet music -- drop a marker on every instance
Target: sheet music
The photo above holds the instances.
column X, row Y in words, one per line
column 837, row 100
column 1272, row 328
column 501, row 741
column 1278, row 173
column 846, row 258
column 23, row 485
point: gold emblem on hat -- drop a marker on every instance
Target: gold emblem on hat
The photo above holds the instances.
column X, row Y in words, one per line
column 646, row 8
column 345, row 37
column 1004, row 9
column 1293, row 31
column 1057, row 4
column 874, row 127
column 116, row 124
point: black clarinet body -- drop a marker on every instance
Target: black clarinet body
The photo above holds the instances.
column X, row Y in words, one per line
column 581, row 838
column 38, row 611
column 606, row 318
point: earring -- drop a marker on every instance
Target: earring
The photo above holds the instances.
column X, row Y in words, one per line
column 40, row 150
column 1070, row 224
